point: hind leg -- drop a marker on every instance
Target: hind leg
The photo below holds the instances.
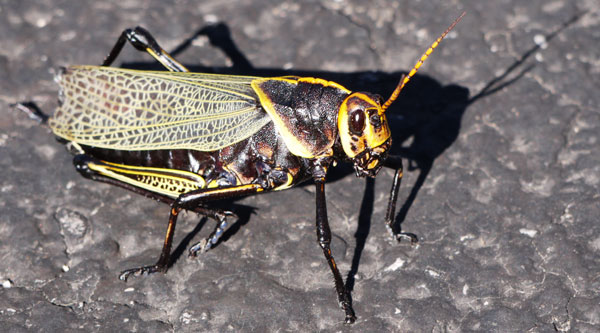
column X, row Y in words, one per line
column 142, row 40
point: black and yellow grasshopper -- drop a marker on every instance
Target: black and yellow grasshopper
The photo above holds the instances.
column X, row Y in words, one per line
column 188, row 138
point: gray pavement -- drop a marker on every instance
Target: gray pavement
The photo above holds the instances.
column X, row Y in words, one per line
column 499, row 132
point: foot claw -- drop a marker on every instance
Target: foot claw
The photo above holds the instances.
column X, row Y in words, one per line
column 214, row 237
column 146, row 270
column 197, row 248
column 407, row 235
column 350, row 319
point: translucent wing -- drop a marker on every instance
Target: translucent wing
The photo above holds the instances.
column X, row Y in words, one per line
column 125, row 109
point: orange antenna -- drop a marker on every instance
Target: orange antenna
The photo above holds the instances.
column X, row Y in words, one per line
column 405, row 78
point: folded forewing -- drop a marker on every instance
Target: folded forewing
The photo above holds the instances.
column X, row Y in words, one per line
column 124, row 109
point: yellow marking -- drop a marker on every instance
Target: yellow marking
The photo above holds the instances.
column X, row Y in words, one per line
column 212, row 184
column 344, row 132
column 369, row 138
column 154, row 55
column 173, row 192
column 373, row 164
column 405, row 78
column 177, row 62
column 152, row 179
column 365, row 98
column 170, row 227
column 324, row 83
column 236, row 188
column 294, row 145
column 157, row 170
column 166, row 55
column 377, row 138
column 287, row 184
column 332, row 260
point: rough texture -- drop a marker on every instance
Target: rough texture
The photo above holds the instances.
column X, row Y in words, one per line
column 500, row 132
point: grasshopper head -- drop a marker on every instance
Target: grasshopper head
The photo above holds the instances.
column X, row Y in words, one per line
column 363, row 127
column 364, row 132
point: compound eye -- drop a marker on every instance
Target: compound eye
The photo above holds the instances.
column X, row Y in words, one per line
column 357, row 121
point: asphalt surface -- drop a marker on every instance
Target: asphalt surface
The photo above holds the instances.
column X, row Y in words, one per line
column 499, row 132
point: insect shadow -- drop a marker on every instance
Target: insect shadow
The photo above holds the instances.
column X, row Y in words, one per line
column 428, row 112
column 424, row 122
column 433, row 120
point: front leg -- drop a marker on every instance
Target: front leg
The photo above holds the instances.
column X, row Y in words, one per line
column 324, row 237
column 395, row 162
